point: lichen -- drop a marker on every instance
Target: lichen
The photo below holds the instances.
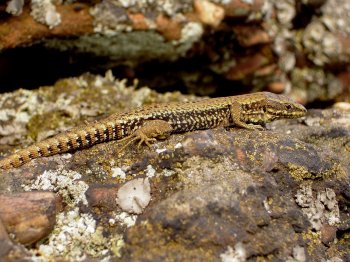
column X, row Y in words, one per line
column 298, row 255
column 118, row 172
column 45, row 12
column 66, row 183
column 15, row 7
column 46, row 121
column 313, row 240
column 299, row 172
column 322, row 209
column 238, row 254
column 124, row 219
column 150, row 172
column 75, row 235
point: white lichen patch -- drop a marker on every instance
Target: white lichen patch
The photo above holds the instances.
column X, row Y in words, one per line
column 238, row 254
column 134, row 195
column 45, row 12
column 150, row 171
column 190, row 33
column 169, row 7
column 160, row 150
column 168, row 172
column 320, row 210
column 118, row 172
column 178, row 145
column 222, row 2
column 298, row 255
column 65, row 183
column 74, row 237
column 15, row 111
column 124, row 218
column 15, row 7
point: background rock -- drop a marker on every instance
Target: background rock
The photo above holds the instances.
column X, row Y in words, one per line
column 207, row 47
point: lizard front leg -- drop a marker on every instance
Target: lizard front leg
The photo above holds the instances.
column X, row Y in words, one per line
column 236, row 111
column 148, row 133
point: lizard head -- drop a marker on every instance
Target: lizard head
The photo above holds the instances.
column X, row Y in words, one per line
column 280, row 106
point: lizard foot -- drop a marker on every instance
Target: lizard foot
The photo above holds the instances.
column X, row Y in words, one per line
column 148, row 133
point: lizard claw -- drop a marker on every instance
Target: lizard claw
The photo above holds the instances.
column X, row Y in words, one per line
column 143, row 139
column 146, row 140
column 252, row 126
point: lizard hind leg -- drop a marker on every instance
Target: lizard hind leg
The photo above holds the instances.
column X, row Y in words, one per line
column 148, row 133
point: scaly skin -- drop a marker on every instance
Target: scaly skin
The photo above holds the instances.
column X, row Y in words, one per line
column 160, row 120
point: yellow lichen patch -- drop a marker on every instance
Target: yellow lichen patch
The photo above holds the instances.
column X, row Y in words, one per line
column 299, row 172
column 116, row 246
column 336, row 170
column 314, row 240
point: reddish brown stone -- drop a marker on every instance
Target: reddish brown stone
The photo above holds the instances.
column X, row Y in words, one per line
column 169, row 28
column 5, row 242
column 103, row 196
column 20, row 30
column 138, row 21
column 30, row 216
column 267, row 70
column 247, row 65
column 345, row 42
column 328, row 233
column 276, row 87
column 249, row 35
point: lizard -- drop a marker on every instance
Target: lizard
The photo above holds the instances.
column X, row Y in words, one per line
column 150, row 123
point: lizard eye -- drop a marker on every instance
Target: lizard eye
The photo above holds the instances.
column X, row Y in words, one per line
column 288, row 106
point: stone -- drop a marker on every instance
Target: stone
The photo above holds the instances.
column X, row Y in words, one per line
column 29, row 216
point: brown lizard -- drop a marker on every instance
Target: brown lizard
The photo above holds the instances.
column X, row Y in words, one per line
column 158, row 121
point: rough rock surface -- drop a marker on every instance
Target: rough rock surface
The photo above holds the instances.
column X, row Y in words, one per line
column 203, row 46
column 281, row 194
column 29, row 216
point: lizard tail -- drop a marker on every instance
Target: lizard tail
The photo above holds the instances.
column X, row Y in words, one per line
column 76, row 138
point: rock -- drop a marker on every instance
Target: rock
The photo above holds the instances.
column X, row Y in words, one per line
column 10, row 251
column 227, row 193
column 30, row 216
column 205, row 46
column 220, row 207
column 5, row 242
column 328, row 234
column 103, row 196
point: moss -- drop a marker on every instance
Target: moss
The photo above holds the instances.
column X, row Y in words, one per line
column 64, row 86
column 47, row 121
